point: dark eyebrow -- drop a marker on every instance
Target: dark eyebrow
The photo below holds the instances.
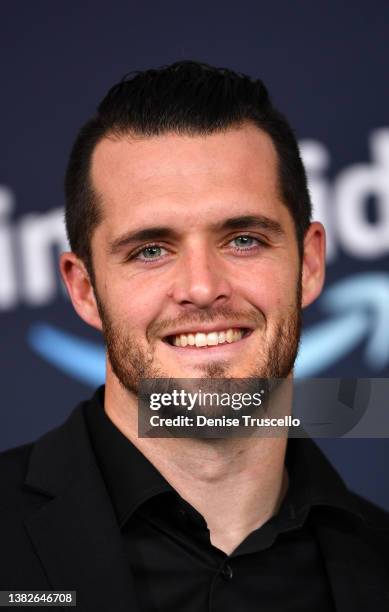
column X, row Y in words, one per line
column 251, row 221
column 163, row 233
column 148, row 233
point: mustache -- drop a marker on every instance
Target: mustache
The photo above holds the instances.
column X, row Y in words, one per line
column 205, row 316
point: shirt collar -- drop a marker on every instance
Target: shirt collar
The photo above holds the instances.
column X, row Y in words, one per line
column 131, row 479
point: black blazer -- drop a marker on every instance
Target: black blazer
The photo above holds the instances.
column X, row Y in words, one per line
column 58, row 531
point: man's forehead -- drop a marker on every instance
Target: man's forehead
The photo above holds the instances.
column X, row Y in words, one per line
column 127, row 158
column 191, row 179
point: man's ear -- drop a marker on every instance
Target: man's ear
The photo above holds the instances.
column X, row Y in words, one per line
column 313, row 269
column 80, row 289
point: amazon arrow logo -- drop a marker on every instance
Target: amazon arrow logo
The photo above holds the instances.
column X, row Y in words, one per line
column 356, row 307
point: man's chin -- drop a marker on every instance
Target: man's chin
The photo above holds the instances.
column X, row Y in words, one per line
column 209, row 371
column 213, row 370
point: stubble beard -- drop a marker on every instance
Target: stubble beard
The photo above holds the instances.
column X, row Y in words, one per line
column 131, row 363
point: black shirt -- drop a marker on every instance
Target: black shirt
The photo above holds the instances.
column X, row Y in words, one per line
column 173, row 564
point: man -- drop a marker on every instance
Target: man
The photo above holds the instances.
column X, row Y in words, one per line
column 193, row 251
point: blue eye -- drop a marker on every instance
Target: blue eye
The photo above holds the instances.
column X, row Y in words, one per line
column 245, row 241
column 150, row 252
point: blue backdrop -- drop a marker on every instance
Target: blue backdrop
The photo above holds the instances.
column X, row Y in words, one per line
column 325, row 64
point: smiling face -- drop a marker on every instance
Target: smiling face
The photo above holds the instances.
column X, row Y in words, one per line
column 196, row 263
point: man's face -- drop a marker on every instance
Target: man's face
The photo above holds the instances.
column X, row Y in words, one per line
column 195, row 246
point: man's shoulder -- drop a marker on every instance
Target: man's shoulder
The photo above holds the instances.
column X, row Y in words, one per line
column 16, row 501
column 374, row 524
column 367, row 523
column 51, row 451
column 14, row 461
column 375, row 516
column 13, row 464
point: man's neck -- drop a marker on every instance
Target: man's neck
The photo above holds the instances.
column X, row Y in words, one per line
column 235, row 484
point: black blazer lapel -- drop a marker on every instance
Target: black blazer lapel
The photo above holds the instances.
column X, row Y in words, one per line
column 357, row 575
column 75, row 534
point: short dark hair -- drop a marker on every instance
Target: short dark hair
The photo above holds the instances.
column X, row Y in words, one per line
column 187, row 97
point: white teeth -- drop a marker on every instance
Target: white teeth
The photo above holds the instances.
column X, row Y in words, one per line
column 201, row 340
column 212, row 339
column 222, row 337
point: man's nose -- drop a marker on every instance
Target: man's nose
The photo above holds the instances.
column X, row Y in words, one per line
column 201, row 280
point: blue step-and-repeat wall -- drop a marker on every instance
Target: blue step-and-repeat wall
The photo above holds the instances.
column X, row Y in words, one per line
column 326, row 66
